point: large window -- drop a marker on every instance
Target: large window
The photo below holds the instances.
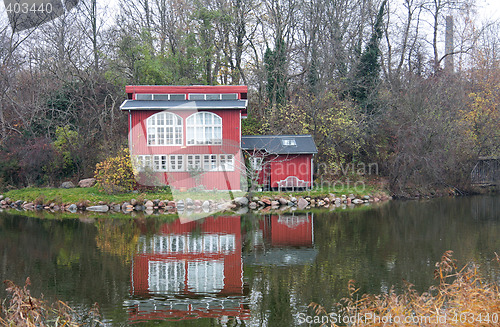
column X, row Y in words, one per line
column 204, row 128
column 164, row 128
column 184, row 162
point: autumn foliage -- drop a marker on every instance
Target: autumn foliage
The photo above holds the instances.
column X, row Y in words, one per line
column 115, row 174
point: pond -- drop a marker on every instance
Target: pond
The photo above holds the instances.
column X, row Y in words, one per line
column 249, row 270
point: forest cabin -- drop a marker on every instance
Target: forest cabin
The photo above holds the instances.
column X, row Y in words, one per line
column 282, row 162
column 186, row 136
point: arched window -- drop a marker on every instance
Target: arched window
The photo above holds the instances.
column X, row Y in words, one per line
column 164, row 128
column 204, row 128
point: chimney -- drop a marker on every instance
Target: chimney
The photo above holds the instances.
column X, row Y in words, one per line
column 448, row 45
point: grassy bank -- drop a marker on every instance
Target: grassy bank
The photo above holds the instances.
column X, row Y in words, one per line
column 93, row 196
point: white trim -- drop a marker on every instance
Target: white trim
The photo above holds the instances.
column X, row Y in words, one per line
column 164, row 132
column 200, row 130
column 187, row 162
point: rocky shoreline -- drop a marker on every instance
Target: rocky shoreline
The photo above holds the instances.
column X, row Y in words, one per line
column 254, row 203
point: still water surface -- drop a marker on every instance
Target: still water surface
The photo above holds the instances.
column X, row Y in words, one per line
column 248, row 270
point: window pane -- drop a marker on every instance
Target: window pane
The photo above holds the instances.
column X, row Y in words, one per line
column 144, row 97
column 197, row 97
column 208, row 118
column 230, row 96
column 217, row 120
column 177, row 97
column 213, row 96
column 160, row 97
column 178, row 135
column 190, row 135
column 151, row 136
column 200, row 139
column 161, row 135
column 199, row 119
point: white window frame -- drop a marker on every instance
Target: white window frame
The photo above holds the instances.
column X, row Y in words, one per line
column 210, row 162
column 194, row 161
column 257, row 163
column 176, row 161
column 160, row 162
column 142, row 162
column 158, row 131
column 226, row 162
column 213, row 96
column 199, row 132
column 288, row 142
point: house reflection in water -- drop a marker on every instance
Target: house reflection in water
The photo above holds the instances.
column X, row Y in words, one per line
column 195, row 270
column 189, row 271
column 286, row 239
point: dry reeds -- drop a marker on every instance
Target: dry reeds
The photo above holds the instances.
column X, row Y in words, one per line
column 23, row 310
column 460, row 298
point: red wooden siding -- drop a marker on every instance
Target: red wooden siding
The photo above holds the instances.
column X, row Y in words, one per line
column 298, row 165
column 231, row 139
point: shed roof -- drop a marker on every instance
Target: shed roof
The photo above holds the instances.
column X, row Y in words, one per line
column 182, row 105
column 280, row 144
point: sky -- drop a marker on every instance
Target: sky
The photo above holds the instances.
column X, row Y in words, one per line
column 489, row 9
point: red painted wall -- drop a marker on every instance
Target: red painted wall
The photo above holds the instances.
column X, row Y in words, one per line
column 231, row 140
column 298, row 165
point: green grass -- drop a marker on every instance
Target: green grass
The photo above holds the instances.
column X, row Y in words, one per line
column 93, row 195
column 75, row 195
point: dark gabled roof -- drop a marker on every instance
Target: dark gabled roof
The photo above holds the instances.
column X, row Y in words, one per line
column 274, row 144
column 182, row 105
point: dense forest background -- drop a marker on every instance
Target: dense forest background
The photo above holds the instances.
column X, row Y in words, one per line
column 369, row 79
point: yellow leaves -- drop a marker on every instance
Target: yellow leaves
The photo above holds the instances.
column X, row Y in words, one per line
column 115, row 173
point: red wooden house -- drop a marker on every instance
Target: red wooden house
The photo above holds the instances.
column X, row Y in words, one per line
column 196, row 269
column 186, row 136
column 281, row 161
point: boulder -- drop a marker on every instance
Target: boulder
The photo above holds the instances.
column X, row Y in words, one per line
column 189, row 202
column 252, row 205
column 133, row 202
column 171, row 204
column 149, row 204
column 266, row 201
column 67, row 185
column 205, row 204
column 293, row 199
column 87, row 182
column 275, row 203
column 138, row 207
column 100, row 208
column 241, row 201
column 117, row 208
column 357, row 201
column 1, row 197
column 197, row 203
column 302, row 203
column 72, row 208
column 29, row 206
column 283, row 201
